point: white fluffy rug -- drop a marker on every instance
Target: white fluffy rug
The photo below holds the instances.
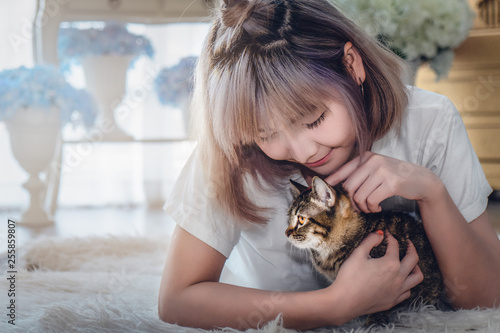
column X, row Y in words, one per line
column 111, row 285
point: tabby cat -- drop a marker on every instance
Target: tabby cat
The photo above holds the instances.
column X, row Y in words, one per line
column 322, row 220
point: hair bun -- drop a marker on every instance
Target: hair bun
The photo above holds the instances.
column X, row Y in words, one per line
column 264, row 21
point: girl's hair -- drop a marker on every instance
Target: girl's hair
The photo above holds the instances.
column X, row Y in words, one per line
column 271, row 62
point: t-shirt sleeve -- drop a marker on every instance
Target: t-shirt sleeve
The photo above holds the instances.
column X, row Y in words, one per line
column 450, row 155
column 192, row 207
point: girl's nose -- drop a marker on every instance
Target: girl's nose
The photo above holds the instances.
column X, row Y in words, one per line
column 300, row 147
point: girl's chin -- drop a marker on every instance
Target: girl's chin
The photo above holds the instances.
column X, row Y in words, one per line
column 323, row 171
column 339, row 158
column 329, row 168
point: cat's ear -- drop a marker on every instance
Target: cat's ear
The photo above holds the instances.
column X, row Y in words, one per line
column 297, row 188
column 323, row 191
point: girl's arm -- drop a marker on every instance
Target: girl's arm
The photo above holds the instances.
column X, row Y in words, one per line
column 468, row 253
column 190, row 294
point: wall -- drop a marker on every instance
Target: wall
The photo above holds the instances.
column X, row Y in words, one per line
column 473, row 86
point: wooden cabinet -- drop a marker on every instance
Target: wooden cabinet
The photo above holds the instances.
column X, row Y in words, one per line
column 473, row 85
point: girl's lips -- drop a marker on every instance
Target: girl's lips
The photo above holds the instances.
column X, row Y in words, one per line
column 319, row 162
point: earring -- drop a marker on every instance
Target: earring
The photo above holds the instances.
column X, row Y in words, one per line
column 361, row 88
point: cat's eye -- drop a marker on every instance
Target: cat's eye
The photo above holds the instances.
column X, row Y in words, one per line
column 301, row 220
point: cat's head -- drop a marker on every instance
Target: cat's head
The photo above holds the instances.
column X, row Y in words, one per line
column 318, row 214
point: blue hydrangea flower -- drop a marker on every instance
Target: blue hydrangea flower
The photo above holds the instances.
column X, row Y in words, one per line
column 44, row 87
column 113, row 38
column 175, row 84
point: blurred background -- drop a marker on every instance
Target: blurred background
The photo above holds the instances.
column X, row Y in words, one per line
column 94, row 100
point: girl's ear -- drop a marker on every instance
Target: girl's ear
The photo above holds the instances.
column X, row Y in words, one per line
column 354, row 62
column 323, row 191
column 297, row 188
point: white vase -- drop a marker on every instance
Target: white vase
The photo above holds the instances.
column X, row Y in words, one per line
column 106, row 77
column 34, row 134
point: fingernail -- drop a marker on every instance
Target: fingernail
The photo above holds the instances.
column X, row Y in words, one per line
column 380, row 232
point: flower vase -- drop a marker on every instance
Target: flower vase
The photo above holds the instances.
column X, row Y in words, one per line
column 106, row 80
column 34, row 134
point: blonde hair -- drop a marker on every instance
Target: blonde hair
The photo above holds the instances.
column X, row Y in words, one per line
column 276, row 61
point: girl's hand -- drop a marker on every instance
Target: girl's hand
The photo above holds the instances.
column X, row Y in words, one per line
column 376, row 284
column 372, row 178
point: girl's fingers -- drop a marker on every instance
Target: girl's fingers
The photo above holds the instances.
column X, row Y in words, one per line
column 403, row 297
column 392, row 246
column 343, row 172
column 375, row 198
column 365, row 183
column 398, row 276
column 410, row 260
column 367, row 195
column 378, row 195
column 370, row 241
column 409, row 269
column 355, row 183
column 356, row 180
column 416, row 276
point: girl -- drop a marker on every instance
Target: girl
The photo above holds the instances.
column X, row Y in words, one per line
column 289, row 89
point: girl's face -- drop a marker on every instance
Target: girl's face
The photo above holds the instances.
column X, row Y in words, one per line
column 322, row 142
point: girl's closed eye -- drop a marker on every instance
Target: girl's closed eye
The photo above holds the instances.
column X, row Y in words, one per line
column 269, row 137
column 317, row 122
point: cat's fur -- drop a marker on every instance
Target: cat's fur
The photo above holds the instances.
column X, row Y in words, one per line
column 322, row 220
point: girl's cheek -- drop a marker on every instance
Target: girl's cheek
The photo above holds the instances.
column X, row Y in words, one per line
column 274, row 150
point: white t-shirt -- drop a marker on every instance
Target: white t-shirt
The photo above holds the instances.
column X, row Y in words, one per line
column 260, row 256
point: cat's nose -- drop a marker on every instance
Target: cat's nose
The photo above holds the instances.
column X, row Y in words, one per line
column 288, row 231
